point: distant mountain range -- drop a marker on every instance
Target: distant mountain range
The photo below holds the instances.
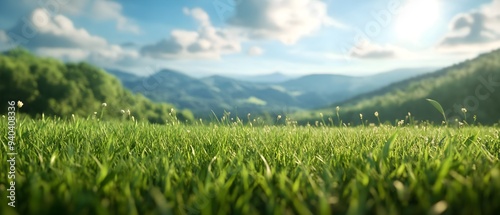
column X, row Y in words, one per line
column 473, row 85
column 276, row 77
column 256, row 94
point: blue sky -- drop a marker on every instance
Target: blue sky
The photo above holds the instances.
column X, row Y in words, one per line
column 295, row 37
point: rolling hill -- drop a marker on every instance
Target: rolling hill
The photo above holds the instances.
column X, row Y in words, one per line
column 473, row 85
column 218, row 93
column 48, row 86
column 211, row 94
column 337, row 88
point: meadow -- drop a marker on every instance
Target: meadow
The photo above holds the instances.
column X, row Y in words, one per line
column 86, row 166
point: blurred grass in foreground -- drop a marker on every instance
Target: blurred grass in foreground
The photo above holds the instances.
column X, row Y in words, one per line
column 88, row 167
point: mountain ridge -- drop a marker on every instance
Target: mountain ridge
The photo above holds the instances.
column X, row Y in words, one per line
column 220, row 93
column 455, row 87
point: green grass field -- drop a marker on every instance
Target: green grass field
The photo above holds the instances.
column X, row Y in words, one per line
column 90, row 167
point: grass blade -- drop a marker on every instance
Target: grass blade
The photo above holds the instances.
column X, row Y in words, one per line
column 438, row 107
column 387, row 147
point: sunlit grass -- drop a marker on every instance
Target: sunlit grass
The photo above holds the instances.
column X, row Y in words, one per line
column 85, row 166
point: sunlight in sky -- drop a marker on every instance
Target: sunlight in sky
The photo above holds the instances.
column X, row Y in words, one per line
column 415, row 18
column 263, row 36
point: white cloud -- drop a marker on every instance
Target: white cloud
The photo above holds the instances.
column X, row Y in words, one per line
column 56, row 36
column 199, row 15
column 67, row 7
column 94, row 9
column 475, row 31
column 283, row 20
column 207, row 42
column 255, row 51
column 111, row 10
column 70, row 54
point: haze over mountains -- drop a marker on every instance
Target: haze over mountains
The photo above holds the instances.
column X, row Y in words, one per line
column 473, row 85
column 275, row 77
column 51, row 87
column 257, row 94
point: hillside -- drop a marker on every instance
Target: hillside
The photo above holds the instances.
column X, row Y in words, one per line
column 473, row 85
column 122, row 76
column 218, row 93
column 211, row 94
column 48, row 86
column 337, row 88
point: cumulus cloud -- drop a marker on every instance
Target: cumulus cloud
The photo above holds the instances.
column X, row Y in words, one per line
column 476, row 30
column 94, row 9
column 57, row 36
column 283, row 20
column 255, row 51
column 111, row 10
column 207, row 42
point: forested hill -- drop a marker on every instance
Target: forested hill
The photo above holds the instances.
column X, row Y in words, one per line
column 473, row 85
column 51, row 87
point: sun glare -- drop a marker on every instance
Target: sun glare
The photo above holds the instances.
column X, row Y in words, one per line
column 415, row 18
